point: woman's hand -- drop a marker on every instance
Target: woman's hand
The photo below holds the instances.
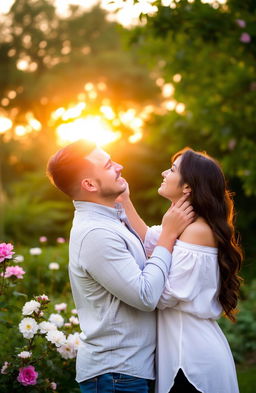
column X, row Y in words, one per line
column 175, row 220
column 125, row 196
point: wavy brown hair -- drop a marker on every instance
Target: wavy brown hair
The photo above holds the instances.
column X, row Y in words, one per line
column 212, row 201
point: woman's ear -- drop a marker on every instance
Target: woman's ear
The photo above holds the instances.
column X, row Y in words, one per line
column 186, row 189
column 89, row 185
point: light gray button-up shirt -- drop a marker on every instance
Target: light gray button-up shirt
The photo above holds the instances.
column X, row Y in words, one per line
column 115, row 289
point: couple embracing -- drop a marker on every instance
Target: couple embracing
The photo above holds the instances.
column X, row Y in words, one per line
column 148, row 297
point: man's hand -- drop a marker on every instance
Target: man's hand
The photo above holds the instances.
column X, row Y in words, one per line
column 175, row 220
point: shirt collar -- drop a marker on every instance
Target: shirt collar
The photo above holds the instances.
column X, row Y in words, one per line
column 116, row 212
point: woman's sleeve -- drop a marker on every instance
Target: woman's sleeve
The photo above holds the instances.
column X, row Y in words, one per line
column 185, row 279
column 151, row 238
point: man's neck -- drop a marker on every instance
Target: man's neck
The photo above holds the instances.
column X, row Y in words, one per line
column 100, row 201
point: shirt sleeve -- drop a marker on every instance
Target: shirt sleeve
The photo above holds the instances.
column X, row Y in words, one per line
column 186, row 278
column 104, row 255
column 151, row 238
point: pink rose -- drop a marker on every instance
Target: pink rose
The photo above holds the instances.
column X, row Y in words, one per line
column 241, row 23
column 43, row 239
column 15, row 271
column 245, row 38
column 6, row 251
column 27, row 376
column 60, row 240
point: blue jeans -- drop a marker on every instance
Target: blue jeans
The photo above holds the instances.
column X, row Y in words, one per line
column 115, row 383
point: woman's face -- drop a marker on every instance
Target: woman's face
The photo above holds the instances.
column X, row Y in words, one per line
column 170, row 188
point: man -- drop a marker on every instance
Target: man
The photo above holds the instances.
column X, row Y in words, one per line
column 115, row 287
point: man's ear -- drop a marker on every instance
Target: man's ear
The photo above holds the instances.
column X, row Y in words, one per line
column 89, row 185
column 186, row 189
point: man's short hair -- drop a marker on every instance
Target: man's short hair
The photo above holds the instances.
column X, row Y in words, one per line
column 66, row 168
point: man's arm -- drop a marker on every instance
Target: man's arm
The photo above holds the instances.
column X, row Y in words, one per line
column 104, row 255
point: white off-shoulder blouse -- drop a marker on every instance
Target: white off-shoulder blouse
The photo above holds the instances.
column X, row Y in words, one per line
column 188, row 336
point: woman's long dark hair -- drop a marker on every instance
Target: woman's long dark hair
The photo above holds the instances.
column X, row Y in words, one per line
column 212, row 201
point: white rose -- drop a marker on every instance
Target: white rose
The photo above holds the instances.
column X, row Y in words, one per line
column 74, row 320
column 19, row 258
column 60, row 307
column 30, row 307
column 28, row 327
column 56, row 337
column 54, row 266
column 74, row 339
column 67, row 351
column 35, row 251
column 45, row 327
column 56, row 319
column 24, row 355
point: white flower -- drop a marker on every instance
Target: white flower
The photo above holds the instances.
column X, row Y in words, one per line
column 56, row 337
column 74, row 320
column 67, row 351
column 53, row 385
column 4, row 368
column 60, row 306
column 28, row 327
column 46, row 327
column 35, row 251
column 74, row 339
column 74, row 311
column 24, row 355
column 54, row 266
column 19, row 258
column 30, row 307
column 56, row 319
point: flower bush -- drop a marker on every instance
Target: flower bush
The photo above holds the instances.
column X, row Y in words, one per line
column 12, row 273
column 41, row 339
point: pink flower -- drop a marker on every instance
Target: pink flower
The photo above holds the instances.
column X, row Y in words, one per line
column 15, row 271
column 42, row 299
column 53, row 385
column 245, row 38
column 27, row 376
column 241, row 23
column 60, row 240
column 43, row 239
column 6, row 251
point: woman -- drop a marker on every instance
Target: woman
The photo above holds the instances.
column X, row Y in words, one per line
column 193, row 354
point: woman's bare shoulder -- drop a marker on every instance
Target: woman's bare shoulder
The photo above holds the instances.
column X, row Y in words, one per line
column 199, row 232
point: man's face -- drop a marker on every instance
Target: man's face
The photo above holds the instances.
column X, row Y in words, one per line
column 107, row 174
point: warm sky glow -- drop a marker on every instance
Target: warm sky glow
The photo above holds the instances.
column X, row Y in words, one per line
column 91, row 128
column 124, row 11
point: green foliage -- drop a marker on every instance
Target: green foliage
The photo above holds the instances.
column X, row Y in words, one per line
column 30, row 211
column 204, row 45
column 241, row 335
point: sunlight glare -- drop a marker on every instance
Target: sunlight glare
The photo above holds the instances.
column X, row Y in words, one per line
column 91, row 128
column 5, row 124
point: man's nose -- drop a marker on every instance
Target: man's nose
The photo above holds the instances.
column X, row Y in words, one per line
column 118, row 167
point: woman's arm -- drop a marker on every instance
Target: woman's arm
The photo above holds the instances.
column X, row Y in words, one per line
column 135, row 220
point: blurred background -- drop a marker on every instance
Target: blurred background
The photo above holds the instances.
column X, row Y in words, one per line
column 143, row 79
